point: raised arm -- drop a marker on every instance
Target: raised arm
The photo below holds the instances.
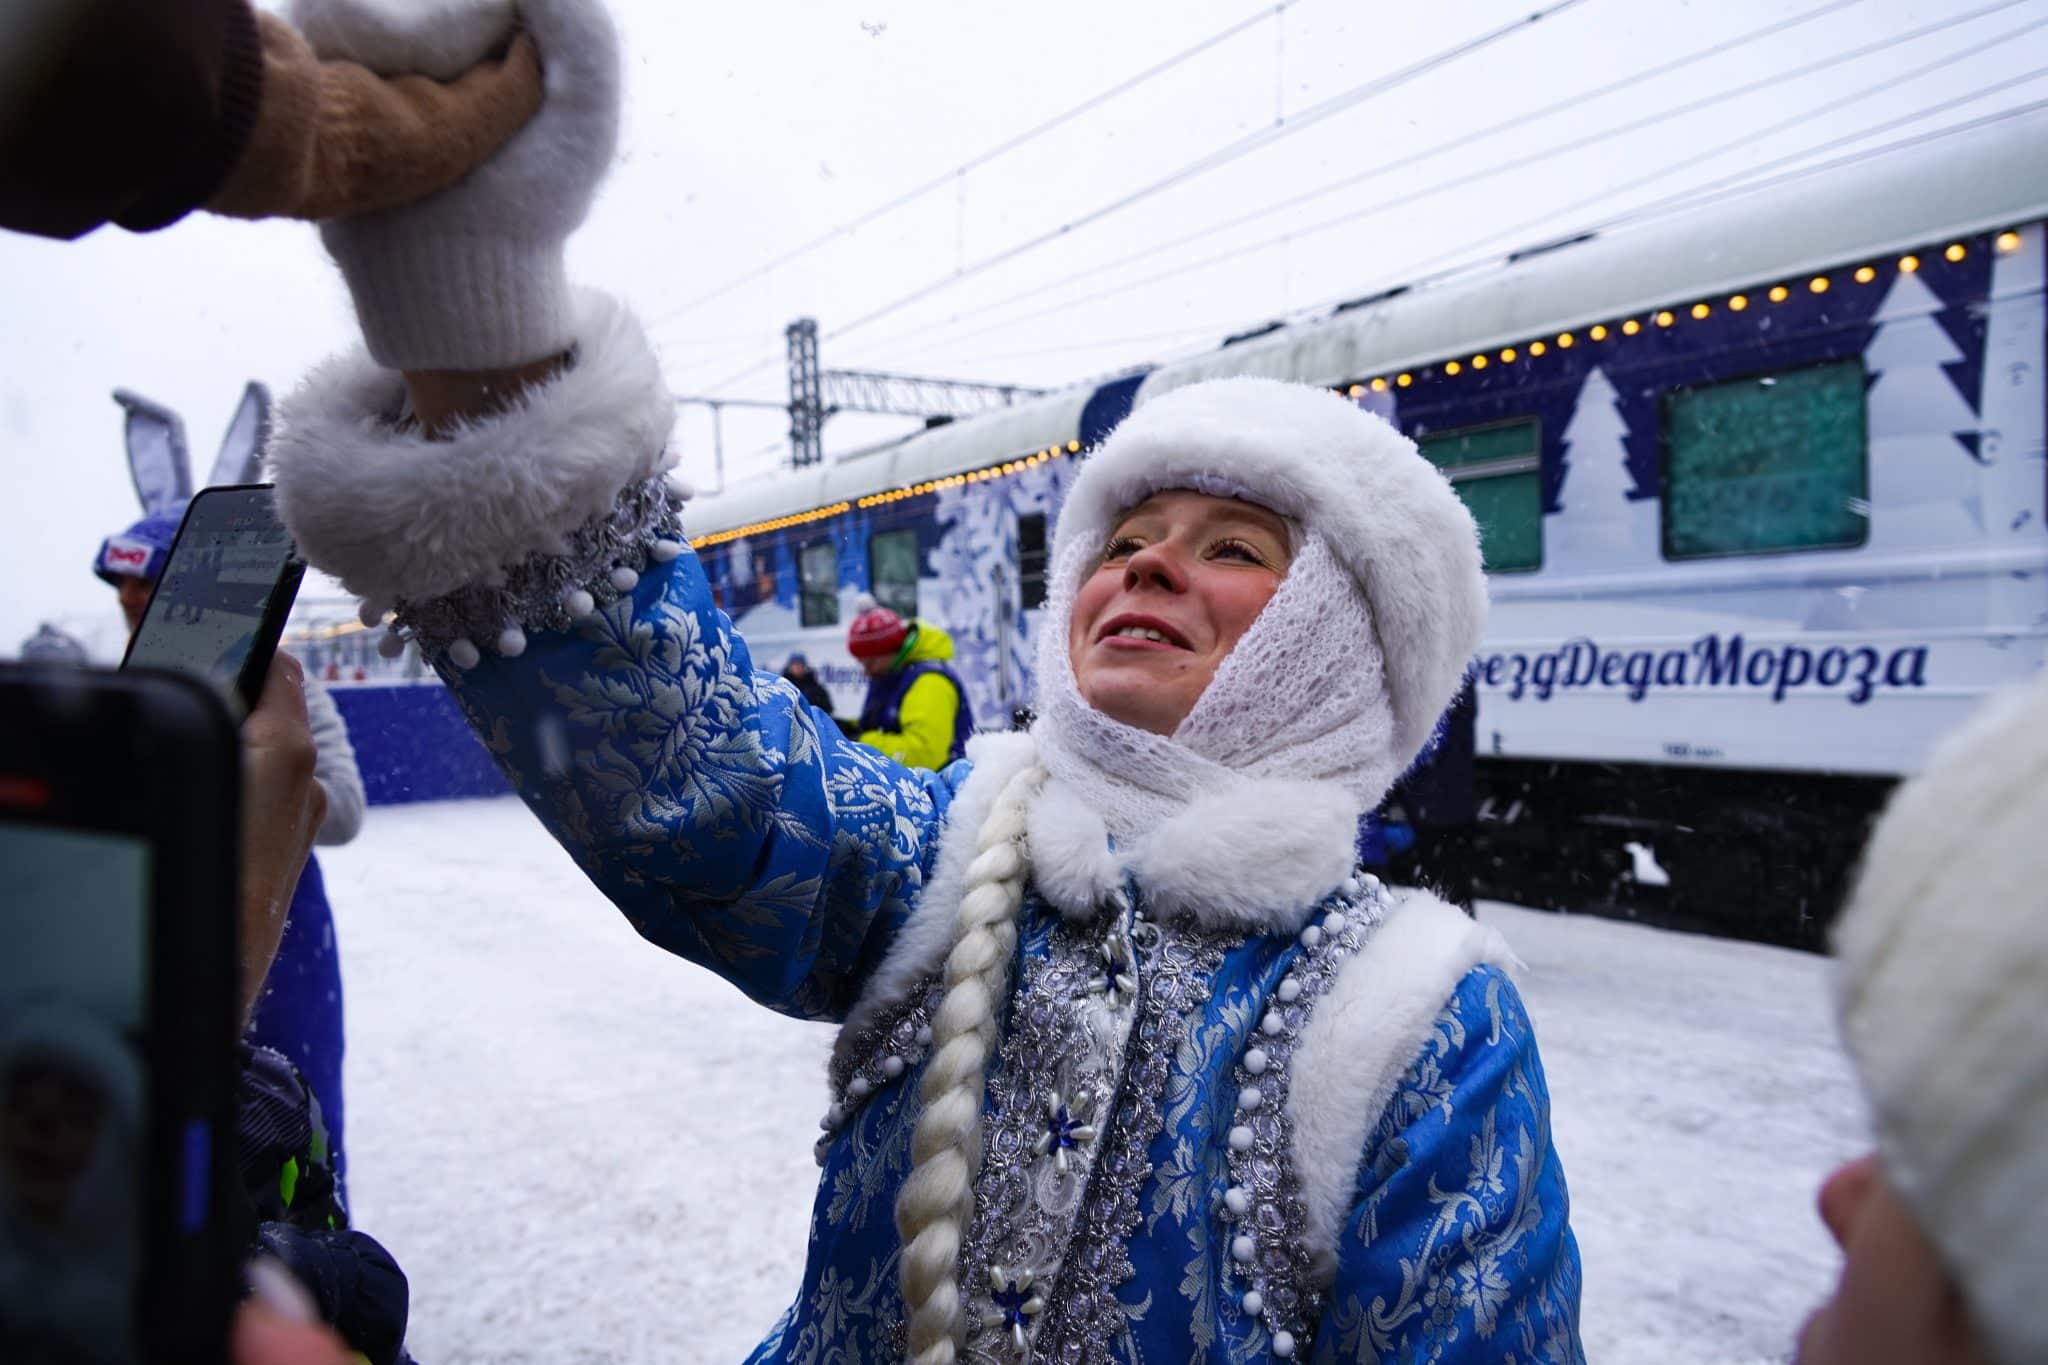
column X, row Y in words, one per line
column 496, row 472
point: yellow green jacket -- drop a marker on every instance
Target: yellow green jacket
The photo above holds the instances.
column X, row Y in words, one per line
column 918, row 725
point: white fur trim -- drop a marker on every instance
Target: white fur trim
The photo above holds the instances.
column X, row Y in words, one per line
column 438, row 38
column 395, row 515
column 1072, row 867
column 1309, row 454
column 921, row 944
column 1361, row 1038
column 1257, row 858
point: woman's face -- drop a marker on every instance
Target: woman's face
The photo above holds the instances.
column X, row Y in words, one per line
column 1182, row 579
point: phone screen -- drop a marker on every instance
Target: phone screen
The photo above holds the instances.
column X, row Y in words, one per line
column 216, row 597
column 74, row 1009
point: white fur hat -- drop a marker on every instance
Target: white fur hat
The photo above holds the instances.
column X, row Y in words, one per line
column 1943, row 993
column 1313, row 456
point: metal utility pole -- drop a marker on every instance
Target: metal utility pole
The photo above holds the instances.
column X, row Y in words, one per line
column 806, row 408
column 816, row 394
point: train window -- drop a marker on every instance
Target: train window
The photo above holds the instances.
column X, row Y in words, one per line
column 1031, row 560
column 817, row 570
column 1767, row 464
column 1496, row 469
column 892, row 570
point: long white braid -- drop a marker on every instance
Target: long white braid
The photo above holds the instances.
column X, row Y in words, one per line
column 936, row 1201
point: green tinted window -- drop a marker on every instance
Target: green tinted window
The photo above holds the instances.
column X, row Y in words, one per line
column 817, row 569
column 1772, row 463
column 892, row 568
column 1496, row 470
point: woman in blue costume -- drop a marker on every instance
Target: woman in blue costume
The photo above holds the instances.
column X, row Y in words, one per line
column 1131, row 1065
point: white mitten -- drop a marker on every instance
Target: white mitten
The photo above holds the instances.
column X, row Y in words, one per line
column 472, row 278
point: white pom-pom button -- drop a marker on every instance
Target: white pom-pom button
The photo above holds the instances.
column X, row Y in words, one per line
column 1311, row 936
column 624, row 579
column 578, row 603
column 1237, row 1201
column 1334, row 922
column 1243, row 1248
column 463, row 654
column 512, row 642
column 1240, row 1139
column 1272, row 1025
column 1255, row 1061
column 392, row 645
column 1254, row 1303
column 373, row 612
column 1283, row 1344
column 860, row 1087
column 1250, row 1098
column 892, row 1067
column 1290, row 991
column 663, row 551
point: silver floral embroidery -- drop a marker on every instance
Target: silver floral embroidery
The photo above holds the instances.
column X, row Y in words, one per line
column 1268, row 1254
column 881, row 1054
column 530, row 593
column 1064, row 1040
column 1085, row 1319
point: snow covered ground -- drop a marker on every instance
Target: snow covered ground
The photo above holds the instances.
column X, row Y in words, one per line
column 583, row 1150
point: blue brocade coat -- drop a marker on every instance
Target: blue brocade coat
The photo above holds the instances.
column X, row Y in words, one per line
column 1158, row 1197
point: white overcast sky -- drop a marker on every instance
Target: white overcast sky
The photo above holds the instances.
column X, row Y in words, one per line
column 754, row 127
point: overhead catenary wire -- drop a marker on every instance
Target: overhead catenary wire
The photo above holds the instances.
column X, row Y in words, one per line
column 1484, row 252
column 1254, row 141
column 953, row 176
column 1152, row 251
column 1232, row 151
column 1470, row 256
column 1461, row 181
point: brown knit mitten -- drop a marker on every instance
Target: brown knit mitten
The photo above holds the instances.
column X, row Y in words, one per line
column 334, row 139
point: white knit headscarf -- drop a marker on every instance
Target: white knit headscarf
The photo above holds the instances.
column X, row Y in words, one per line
column 1943, row 995
column 1386, row 568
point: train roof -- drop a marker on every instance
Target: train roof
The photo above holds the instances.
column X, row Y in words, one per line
column 1942, row 187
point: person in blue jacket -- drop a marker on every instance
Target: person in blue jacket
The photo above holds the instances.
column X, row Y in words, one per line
column 1132, row 1065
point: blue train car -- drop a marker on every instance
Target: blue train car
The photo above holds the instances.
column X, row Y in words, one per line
column 1763, row 497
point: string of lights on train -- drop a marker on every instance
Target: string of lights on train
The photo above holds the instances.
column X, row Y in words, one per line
column 1700, row 311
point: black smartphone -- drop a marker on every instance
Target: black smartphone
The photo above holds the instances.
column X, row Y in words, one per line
column 224, row 595
column 119, row 815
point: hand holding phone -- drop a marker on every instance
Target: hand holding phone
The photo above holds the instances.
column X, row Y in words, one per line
column 227, row 589
column 282, row 807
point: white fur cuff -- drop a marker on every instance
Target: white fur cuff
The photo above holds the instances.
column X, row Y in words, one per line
column 394, row 515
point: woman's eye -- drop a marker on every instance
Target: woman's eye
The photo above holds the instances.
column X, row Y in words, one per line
column 1237, row 549
column 1122, row 547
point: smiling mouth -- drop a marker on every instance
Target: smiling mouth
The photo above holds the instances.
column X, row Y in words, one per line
column 1141, row 632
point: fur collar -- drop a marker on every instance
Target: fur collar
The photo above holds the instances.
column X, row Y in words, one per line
column 1258, row 866
column 1257, row 860
column 394, row 515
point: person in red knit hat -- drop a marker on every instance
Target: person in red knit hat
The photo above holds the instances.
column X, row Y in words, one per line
column 916, row 710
